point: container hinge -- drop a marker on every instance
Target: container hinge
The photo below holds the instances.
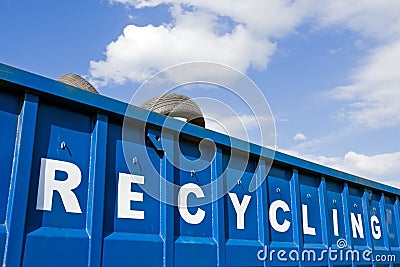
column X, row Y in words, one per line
column 155, row 138
column 369, row 195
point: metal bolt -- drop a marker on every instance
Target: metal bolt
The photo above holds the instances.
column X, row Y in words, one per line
column 278, row 190
column 334, row 201
column 355, row 205
column 63, row 145
column 239, row 181
column 374, row 209
column 134, row 160
column 192, row 172
column 309, row 196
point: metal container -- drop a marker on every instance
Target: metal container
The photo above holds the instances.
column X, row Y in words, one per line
column 70, row 197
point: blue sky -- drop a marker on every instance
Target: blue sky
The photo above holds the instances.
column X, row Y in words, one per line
column 329, row 69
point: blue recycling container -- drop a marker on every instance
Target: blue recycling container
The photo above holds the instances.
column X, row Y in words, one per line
column 75, row 192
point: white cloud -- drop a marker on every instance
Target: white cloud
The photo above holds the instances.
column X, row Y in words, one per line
column 382, row 168
column 199, row 32
column 373, row 18
column 376, row 165
column 142, row 51
column 299, row 137
column 334, row 51
column 265, row 18
column 375, row 90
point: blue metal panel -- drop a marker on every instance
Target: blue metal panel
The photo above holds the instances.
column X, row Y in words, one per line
column 167, row 211
column 309, row 187
column 392, row 222
column 47, row 230
column 20, row 181
column 279, row 188
column 193, row 241
column 94, row 222
column 217, row 169
column 247, row 240
column 129, row 241
column 335, row 202
column 355, row 204
column 3, row 236
column 374, row 209
column 311, row 201
column 9, row 109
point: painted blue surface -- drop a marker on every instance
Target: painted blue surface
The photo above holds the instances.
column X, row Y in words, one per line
column 41, row 118
column 51, row 88
column 20, row 180
column 9, row 108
